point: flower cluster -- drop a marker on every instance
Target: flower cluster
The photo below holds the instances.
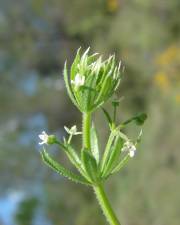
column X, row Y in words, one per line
column 92, row 80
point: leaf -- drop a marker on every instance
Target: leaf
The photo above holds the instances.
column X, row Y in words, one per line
column 114, row 156
column 94, row 143
column 121, row 164
column 107, row 151
column 108, row 117
column 105, row 88
column 90, row 165
column 73, row 156
column 139, row 119
column 91, row 92
column 62, row 170
column 86, row 93
column 74, row 65
column 68, row 87
column 84, row 58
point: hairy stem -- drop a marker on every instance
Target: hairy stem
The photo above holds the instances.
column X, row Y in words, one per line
column 105, row 205
column 98, row 189
column 86, row 130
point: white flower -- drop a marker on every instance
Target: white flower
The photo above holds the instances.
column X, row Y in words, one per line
column 78, row 80
column 131, row 153
column 72, row 131
column 44, row 137
column 130, row 148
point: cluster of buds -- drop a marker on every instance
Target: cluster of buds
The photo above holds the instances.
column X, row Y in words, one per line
column 92, row 80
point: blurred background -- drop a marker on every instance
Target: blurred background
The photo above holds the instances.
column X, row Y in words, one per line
column 36, row 37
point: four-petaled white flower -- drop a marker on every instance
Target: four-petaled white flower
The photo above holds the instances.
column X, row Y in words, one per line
column 130, row 148
column 44, row 137
column 72, row 131
column 78, row 80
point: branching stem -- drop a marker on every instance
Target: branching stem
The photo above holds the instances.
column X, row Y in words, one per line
column 98, row 189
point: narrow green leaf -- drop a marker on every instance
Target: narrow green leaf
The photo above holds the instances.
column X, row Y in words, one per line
column 121, row 164
column 87, row 92
column 92, row 58
column 114, row 156
column 74, row 65
column 107, row 151
column 104, row 89
column 73, row 156
column 139, row 119
column 84, row 58
column 90, row 165
column 68, row 87
column 91, row 92
column 62, row 170
column 94, row 143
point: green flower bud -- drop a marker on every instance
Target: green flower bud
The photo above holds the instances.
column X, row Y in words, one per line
column 92, row 81
column 51, row 139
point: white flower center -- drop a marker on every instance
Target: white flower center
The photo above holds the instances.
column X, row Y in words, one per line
column 78, row 80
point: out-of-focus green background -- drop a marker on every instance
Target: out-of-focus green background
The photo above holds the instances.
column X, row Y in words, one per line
column 36, row 37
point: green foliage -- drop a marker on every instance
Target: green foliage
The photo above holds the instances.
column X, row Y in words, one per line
column 90, row 165
column 121, row 164
column 92, row 83
column 62, row 170
column 113, row 157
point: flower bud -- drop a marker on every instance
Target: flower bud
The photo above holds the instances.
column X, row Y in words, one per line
column 92, row 81
column 51, row 139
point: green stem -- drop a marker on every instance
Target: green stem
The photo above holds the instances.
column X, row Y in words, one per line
column 105, row 205
column 99, row 191
column 86, row 130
